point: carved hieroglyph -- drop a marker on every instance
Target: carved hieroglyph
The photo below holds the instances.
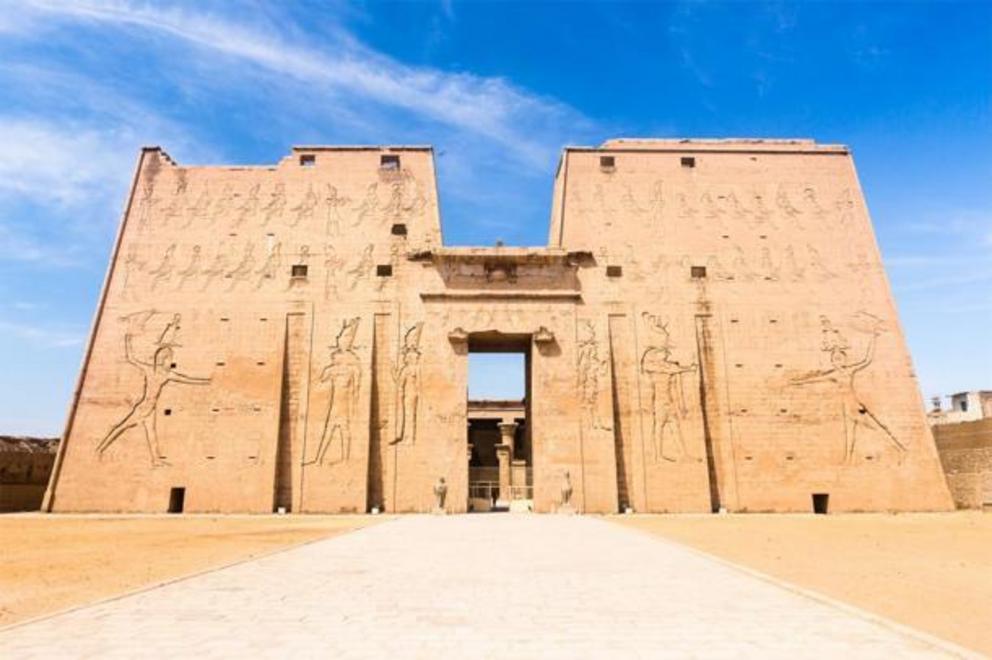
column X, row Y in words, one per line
column 343, row 378
column 157, row 370
column 668, row 402
column 855, row 414
column 406, row 375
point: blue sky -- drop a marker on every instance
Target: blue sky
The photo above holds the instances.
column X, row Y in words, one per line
column 498, row 89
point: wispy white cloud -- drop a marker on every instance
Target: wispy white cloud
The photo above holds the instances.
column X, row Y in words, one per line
column 490, row 107
column 61, row 163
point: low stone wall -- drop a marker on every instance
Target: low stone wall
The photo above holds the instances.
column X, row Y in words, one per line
column 25, row 466
column 966, row 455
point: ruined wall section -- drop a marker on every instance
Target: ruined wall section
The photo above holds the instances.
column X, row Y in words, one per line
column 236, row 332
column 752, row 283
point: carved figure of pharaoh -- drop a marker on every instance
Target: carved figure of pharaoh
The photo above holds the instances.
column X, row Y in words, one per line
column 343, row 374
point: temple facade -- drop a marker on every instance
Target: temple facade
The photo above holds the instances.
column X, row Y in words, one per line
column 708, row 328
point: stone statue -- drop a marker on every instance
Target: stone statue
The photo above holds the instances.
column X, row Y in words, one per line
column 565, row 506
column 440, row 493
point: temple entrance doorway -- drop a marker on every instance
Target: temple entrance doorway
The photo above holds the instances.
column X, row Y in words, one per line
column 500, row 457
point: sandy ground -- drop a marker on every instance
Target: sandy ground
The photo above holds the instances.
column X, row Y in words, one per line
column 49, row 563
column 929, row 571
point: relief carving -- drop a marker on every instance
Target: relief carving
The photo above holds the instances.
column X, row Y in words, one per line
column 784, row 204
column 343, row 378
column 368, row 208
column 217, row 268
column 656, row 205
column 147, row 203
column 335, row 202
column 274, row 208
column 303, row 212
column 163, row 271
column 250, row 207
column 270, row 268
column 132, row 265
column 591, row 368
column 192, row 270
column 668, row 406
column 199, row 212
column 244, row 268
column 816, row 263
column 841, row 375
column 332, row 264
column 157, row 371
column 406, row 375
column 224, row 203
column 361, row 269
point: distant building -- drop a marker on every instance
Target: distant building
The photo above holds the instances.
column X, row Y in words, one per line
column 25, row 466
column 965, row 407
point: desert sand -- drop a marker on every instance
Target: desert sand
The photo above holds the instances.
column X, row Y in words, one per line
column 50, row 563
column 932, row 572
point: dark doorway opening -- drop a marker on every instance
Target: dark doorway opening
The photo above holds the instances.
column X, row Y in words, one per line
column 820, row 502
column 177, row 500
column 499, row 430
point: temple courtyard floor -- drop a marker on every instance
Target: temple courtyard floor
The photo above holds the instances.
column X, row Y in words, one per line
column 495, row 585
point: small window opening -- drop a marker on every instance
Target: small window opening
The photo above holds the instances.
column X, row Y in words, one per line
column 688, row 161
column 167, row 412
column 820, row 502
column 698, row 272
column 299, row 270
column 399, row 229
column 384, row 270
column 607, row 162
column 389, row 162
column 308, row 160
column 177, row 500
column 614, row 271
column 964, row 405
column 172, row 365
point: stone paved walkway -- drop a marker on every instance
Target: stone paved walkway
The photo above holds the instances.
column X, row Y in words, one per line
column 480, row 586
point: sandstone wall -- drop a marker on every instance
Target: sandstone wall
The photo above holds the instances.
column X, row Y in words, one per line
column 699, row 337
column 966, row 454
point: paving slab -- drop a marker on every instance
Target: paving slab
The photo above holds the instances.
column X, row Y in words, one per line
column 479, row 586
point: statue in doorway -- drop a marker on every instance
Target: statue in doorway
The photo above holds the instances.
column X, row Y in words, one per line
column 440, row 493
